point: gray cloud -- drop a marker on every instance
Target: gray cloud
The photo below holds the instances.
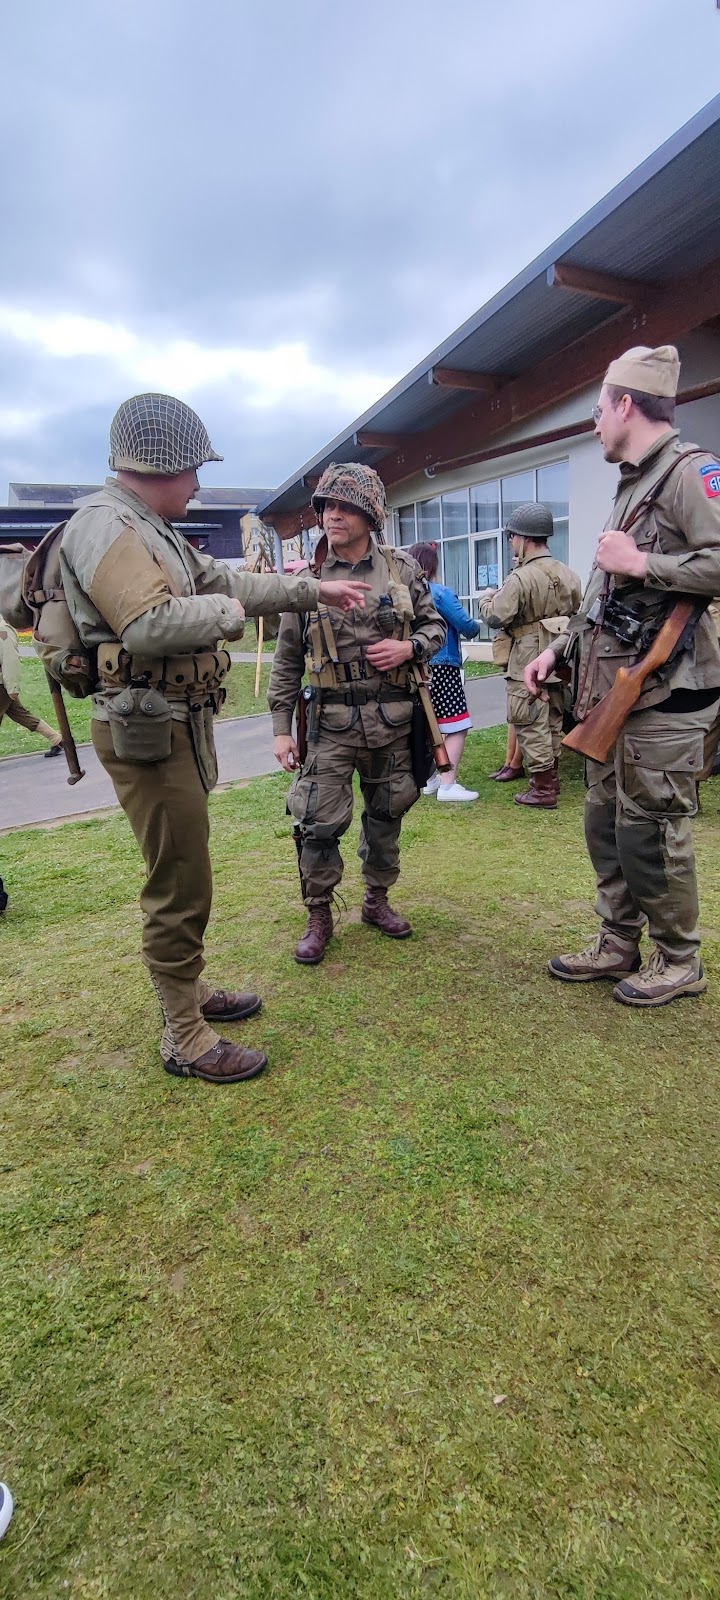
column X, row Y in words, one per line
column 270, row 173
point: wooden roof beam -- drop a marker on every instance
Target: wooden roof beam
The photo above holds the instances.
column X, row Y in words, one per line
column 459, row 378
column 601, row 285
column 367, row 440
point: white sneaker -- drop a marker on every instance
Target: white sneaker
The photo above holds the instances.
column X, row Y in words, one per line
column 455, row 791
column 6, row 1508
column 433, row 784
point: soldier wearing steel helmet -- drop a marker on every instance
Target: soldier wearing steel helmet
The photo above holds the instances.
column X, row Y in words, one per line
column 155, row 611
column 357, row 673
column 537, row 599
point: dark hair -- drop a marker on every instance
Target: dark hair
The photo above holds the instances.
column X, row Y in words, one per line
column 655, row 407
column 427, row 557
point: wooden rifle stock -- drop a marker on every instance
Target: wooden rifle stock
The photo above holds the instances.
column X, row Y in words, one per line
column 440, row 755
column 596, row 734
column 75, row 771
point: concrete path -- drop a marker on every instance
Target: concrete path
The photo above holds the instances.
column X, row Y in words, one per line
column 34, row 790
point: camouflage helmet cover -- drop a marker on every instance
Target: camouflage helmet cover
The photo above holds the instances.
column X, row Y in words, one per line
column 358, row 485
column 531, row 521
column 156, row 433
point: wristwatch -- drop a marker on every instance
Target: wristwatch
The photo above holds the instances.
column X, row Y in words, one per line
column 418, row 649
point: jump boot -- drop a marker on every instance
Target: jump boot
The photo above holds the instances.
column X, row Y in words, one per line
column 190, row 1047
column 317, row 935
column 543, row 791
column 609, row 957
column 375, row 910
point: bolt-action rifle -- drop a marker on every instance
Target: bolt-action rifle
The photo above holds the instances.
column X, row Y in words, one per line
column 596, row 734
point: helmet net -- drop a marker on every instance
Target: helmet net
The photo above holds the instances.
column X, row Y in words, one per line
column 157, row 433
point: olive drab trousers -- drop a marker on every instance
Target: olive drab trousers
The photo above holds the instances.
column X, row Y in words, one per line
column 167, row 808
column 538, row 724
column 638, row 812
column 321, row 800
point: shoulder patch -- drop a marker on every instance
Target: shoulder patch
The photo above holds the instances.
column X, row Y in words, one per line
column 711, row 479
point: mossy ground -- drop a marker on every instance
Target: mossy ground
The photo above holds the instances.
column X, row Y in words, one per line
column 429, row 1309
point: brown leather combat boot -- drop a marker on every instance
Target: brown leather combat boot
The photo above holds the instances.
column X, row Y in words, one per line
column 375, row 909
column 508, row 774
column 227, row 1005
column 224, row 1063
column 543, row 791
column 317, row 935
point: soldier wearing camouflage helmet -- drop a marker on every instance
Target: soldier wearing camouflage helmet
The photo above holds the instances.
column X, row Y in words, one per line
column 357, row 676
column 536, row 600
column 153, row 612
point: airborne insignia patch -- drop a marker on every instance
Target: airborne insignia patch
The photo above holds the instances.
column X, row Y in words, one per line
column 711, row 478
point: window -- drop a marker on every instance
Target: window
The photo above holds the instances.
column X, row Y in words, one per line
column 516, row 491
column 553, row 489
column 486, row 564
column 455, row 514
column 428, row 521
column 485, row 506
column 456, row 567
column 406, row 525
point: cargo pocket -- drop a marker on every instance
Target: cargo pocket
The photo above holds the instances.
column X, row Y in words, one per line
column 522, row 709
column 396, row 713
column 338, row 719
column 662, row 769
column 303, row 795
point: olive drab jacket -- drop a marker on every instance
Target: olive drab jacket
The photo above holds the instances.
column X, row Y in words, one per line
column 539, row 589
column 353, row 632
column 670, row 504
column 143, row 596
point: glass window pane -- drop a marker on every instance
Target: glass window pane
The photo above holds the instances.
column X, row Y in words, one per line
column 516, row 491
column 428, row 520
column 484, row 506
column 455, row 513
column 456, row 565
column 553, row 487
column 406, row 525
column 486, row 564
column 560, row 542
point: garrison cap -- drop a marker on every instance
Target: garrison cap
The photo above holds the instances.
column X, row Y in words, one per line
column 156, row 433
column 531, row 521
column 360, row 486
column 648, row 371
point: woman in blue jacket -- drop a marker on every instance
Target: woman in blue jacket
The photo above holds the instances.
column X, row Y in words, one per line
column 446, row 685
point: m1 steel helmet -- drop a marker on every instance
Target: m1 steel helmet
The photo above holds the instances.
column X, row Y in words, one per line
column 531, row 521
column 156, row 433
column 358, row 485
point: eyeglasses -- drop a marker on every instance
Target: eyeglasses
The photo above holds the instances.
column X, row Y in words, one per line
column 596, row 413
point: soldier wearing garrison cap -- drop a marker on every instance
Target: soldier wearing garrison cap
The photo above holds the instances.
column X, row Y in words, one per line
column 535, row 603
column 661, row 543
column 153, row 612
column 357, row 672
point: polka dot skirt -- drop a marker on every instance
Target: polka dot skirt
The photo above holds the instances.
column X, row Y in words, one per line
column 448, row 698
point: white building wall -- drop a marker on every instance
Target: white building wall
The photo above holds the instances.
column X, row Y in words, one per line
column 592, row 480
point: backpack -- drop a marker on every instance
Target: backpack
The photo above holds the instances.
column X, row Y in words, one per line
column 55, row 636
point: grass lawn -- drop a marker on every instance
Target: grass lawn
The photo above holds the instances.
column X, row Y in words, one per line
column 34, row 693
column 431, row 1308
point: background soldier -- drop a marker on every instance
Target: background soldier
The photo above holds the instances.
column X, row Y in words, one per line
column 358, row 669
column 10, row 702
column 662, row 540
column 538, row 598
column 154, row 609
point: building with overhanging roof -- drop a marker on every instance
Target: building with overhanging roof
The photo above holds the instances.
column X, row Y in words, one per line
column 221, row 521
column 500, row 411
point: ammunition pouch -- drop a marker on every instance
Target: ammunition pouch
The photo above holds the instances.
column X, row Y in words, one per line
column 140, row 724
column 501, row 646
column 197, row 677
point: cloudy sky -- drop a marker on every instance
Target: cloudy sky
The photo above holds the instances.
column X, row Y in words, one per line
column 274, row 208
